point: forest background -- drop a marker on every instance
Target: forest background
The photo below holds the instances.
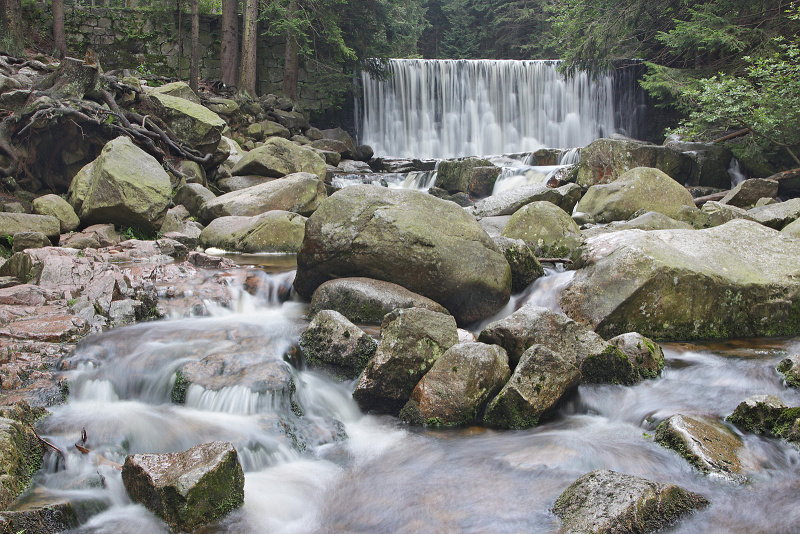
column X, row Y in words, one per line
column 722, row 66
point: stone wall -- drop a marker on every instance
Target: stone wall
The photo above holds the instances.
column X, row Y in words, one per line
column 147, row 40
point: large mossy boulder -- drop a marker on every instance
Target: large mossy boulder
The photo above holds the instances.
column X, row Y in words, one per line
column 412, row 339
column 604, row 501
column 641, row 188
column 187, row 489
column 605, row 160
column 646, row 356
column 707, row 444
column 547, row 230
column 427, row 245
column 365, row 300
column 525, row 268
column 540, row 381
column 331, row 340
column 280, row 157
column 710, row 163
column 688, row 284
column 193, row 123
column 125, row 186
column 458, row 385
column 298, row 193
column 274, row 231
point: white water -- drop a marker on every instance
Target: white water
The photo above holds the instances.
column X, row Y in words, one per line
column 735, row 172
column 456, row 108
column 386, row 477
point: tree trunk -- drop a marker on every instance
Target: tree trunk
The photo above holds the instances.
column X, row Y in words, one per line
column 290, row 61
column 194, row 64
column 59, row 36
column 229, row 53
column 180, row 39
column 247, row 82
column 12, row 41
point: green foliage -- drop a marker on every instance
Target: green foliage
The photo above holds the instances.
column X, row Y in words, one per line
column 765, row 99
column 134, row 232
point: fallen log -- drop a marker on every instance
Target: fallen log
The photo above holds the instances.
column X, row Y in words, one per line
column 699, row 201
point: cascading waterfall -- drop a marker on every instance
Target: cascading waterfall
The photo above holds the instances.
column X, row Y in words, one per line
column 456, row 108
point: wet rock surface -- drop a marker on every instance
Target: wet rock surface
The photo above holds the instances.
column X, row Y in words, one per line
column 540, row 381
column 457, row 387
column 708, row 445
column 604, row 501
column 364, row 300
column 412, row 339
column 331, row 339
column 188, row 489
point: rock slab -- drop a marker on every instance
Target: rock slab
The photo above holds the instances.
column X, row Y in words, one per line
column 604, row 501
column 187, row 489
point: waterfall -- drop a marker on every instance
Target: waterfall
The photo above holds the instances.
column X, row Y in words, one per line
column 456, row 108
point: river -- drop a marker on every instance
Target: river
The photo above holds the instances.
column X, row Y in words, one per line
column 386, row 477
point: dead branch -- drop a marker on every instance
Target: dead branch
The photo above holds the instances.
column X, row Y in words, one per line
column 730, row 136
column 699, row 201
column 554, row 260
column 47, row 443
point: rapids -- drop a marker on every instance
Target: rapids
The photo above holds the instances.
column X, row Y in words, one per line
column 386, row 477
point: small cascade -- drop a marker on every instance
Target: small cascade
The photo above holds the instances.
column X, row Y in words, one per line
column 457, row 108
column 570, row 157
column 736, row 173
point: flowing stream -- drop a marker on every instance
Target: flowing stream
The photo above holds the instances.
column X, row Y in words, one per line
column 385, row 477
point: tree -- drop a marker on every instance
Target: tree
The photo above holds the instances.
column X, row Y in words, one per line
column 291, row 63
column 194, row 61
column 59, row 36
column 229, row 52
column 247, row 80
column 765, row 99
column 11, row 38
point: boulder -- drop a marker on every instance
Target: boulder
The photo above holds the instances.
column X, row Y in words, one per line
column 332, row 145
column 777, row 215
column 175, row 219
column 792, row 229
column 222, row 106
column 509, row 201
column 100, row 235
column 331, row 340
column 125, row 186
column 458, row 385
column 235, row 183
column 342, row 136
column 412, row 339
column 177, row 89
column 746, row 194
column 364, row 300
column 605, row 160
column 350, row 166
column 604, row 501
column 20, row 457
column 51, row 518
column 266, row 129
column 494, row 226
column 59, row 208
column 525, row 268
column 547, row 229
column 196, row 125
column 533, row 325
column 294, row 120
column 789, row 367
column 646, row 356
column 758, row 414
column 14, row 223
column 540, row 381
column 273, row 231
column 651, row 220
column 187, row 489
column 657, row 276
column 470, row 175
column 299, row 193
column 709, row 163
column 716, row 214
column 707, row 444
column 24, row 240
column 429, row 246
column 640, row 188
column 280, row 157
column 193, row 197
